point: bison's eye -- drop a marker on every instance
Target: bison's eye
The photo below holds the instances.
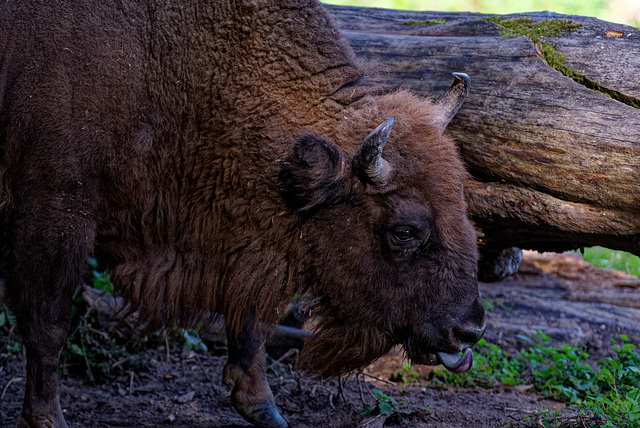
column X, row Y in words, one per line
column 404, row 238
column 404, row 234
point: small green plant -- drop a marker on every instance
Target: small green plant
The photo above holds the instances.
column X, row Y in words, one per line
column 7, row 322
column 491, row 366
column 385, row 405
column 101, row 279
column 191, row 339
column 559, row 373
column 618, row 402
column 407, row 374
column 606, row 396
column 547, row 418
column 91, row 352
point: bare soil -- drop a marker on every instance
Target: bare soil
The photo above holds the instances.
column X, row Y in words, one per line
column 558, row 294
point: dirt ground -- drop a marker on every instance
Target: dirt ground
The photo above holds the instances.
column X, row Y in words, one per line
column 559, row 294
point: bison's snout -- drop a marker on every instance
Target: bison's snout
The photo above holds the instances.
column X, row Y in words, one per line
column 456, row 363
column 461, row 335
column 448, row 340
column 466, row 329
column 468, row 336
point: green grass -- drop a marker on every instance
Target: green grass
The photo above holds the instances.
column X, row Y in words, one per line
column 612, row 259
column 606, row 395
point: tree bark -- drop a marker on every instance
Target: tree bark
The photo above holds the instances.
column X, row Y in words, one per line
column 555, row 159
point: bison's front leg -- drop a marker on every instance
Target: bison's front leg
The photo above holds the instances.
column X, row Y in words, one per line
column 41, row 408
column 245, row 372
column 47, row 255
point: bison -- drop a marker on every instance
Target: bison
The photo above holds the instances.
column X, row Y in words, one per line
column 222, row 156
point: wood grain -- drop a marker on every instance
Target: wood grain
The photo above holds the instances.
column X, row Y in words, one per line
column 527, row 132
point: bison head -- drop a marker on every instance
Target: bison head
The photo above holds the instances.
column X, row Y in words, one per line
column 385, row 245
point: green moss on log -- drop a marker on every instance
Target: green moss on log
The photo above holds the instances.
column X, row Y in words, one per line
column 524, row 26
column 515, row 27
column 426, row 23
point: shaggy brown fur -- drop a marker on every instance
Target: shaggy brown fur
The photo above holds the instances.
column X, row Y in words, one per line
column 204, row 148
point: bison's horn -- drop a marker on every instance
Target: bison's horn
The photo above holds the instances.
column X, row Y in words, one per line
column 370, row 165
column 451, row 101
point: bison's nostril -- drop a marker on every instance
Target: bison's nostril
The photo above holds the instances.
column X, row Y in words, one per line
column 469, row 335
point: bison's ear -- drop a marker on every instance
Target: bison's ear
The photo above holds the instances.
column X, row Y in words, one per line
column 314, row 174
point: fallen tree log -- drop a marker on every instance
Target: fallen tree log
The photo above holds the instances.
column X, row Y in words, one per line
column 550, row 130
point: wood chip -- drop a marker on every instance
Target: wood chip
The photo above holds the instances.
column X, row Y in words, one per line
column 612, row 33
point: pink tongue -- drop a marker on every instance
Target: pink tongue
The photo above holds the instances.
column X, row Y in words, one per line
column 456, row 363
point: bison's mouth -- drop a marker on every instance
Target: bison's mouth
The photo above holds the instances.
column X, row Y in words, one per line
column 455, row 363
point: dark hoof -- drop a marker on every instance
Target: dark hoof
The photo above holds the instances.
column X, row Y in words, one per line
column 262, row 414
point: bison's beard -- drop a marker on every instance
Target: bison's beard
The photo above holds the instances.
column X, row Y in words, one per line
column 338, row 347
